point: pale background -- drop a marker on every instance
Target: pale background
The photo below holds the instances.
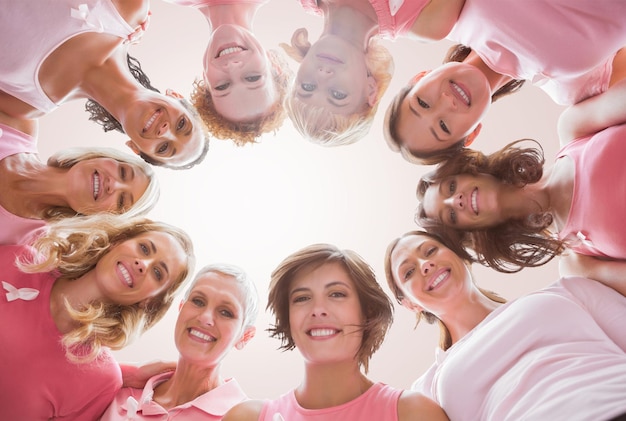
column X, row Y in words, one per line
column 253, row 205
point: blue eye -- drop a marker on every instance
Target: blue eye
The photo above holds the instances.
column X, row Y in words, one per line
column 158, row 274
column 309, row 87
column 338, row 95
column 222, row 87
column 227, row 313
column 144, row 249
column 253, row 78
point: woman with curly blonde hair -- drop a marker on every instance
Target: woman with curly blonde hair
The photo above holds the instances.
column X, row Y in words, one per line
column 241, row 94
column 89, row 285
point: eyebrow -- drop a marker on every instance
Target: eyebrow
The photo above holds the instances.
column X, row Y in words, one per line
column 154, row 250
column 432, row 130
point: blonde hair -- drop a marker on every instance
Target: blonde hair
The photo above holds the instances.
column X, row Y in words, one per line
column 71, row 248
column 67, row 158
column 320, row 126
column 242, row 133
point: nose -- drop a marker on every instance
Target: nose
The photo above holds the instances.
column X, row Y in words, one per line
column 455, row 201
column 164, row 129
column 140, row 266
column 427, row 267
column 319, row 310
column 324, row 72
column 206, row 318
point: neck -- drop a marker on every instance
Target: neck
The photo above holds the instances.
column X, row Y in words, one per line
column 78, row 292
column 327, row 385
column 240, row 14
column 496, row 80
column 355, row 25
column 467, row 313
column 28, row 186
column 187, row 383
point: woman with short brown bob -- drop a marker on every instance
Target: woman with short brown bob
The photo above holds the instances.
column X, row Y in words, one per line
column 328, row 304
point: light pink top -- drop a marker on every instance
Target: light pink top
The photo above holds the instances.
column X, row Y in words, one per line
column 555, row 354
column 198, row 3
column 137, row 404
column 596, row 219
column 37, row 381
column 395, row 17
column 36, row 28
column 379, row 403
column 563, row 46
column 15, row 229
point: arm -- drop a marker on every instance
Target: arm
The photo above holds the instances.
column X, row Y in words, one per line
column 137, row 376
column 611, row 273
column 594, row 114
column 436, row 20
column 245, row 411
column 415, row 406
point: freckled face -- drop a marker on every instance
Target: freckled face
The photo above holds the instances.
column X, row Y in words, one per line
column 140, row 268
column 443, row 107
column 210, row 321
column 162, row 128
column 333, row 75
column 465, row 201
column 238, row 74
column 325, row 315
column 104, row 185
column 428, row 273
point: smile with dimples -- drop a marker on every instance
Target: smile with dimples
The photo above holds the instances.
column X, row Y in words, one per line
column 125, row 275
column 460, row 93
column 437, row 278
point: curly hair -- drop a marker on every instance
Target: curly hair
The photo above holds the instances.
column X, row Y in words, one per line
column 445, row 339
column 72, row 247
column 517, row 243
column 456, row 53
column 246, row 132
column 108, row 122
column 375, row 304
column 67, row 158
column 319, row 125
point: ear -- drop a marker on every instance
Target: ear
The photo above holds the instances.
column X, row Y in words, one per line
column 417, row 77
column 300, row 41
column 372, row 91
column 172, row 93
column 411, row 305
column 247, row 335
column 132, row 145
column 470, row 137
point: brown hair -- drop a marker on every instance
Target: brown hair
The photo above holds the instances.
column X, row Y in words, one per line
column 517, row 243
column 375, row 304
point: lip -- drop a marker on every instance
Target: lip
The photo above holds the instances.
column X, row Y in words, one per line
column 96, row 185
column 461, row 93
column 322, row 332
column 437, row 279
column 474, row 200
column 200, row 335
column 152, row 123
column 222, row 52
column 329, row 58
column 125, row 275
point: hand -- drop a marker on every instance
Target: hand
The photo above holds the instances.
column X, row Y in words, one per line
column 136, row 377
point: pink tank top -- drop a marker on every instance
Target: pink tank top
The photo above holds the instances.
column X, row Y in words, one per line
column 379, row 403
column 38, row 27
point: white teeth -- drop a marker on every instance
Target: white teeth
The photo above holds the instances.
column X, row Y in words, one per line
column 229, row 50
column 96, row 185
column 439, row 279
column 126, row 275
column 322, row 332
column 201, row 335
column 149, row 123
column 475, row 201
column 461, row 92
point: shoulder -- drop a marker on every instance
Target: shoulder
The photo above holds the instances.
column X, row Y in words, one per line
column 134, row 12
column 245, row 411
column 415, row 406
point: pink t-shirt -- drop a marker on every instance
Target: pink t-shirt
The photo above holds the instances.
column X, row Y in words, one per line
column 38, row 382
column 596, row 219
column 565, row 47
column 379, row 403
column 555, row 354
column 15, row 229
column 36, row 28
column 137, row 404
column 395, row 17
column 198, row 3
